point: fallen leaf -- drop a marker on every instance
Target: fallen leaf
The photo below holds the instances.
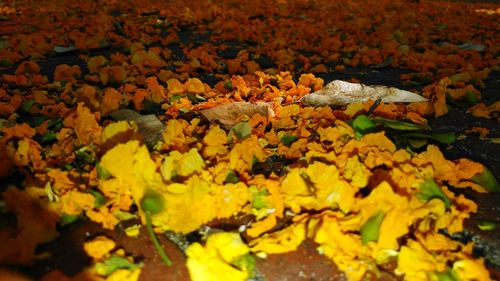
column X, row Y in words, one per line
column 227, row 115
column 341, row 93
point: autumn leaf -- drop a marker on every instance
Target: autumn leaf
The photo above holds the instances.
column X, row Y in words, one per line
column 227, row 115
column 341, row 93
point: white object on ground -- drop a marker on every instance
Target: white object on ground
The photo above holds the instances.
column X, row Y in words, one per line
column 340, row 92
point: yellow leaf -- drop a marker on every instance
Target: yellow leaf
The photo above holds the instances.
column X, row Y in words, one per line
column 259, row 227
column 177, row 164
column 379, row 140
column 74, row 202
column 241, row 157
column 103, row 216
column 397, row 214
column 190, row 163
column 353, row 108
column 125, row 274
column 215, row 136
column 212, row 262
column 99, row 247
column 118, row 161
column 228, row 199
column 196, row 202
column 316, row 187
column 341, row 246
column 118, row 132
column 415, row 262
column 356, row 172
column 174, row 135
column 175, row 87
column 469, row 270
column 194, row 85
column 282, row 241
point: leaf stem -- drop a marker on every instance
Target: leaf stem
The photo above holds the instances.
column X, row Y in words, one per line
column 156, row 242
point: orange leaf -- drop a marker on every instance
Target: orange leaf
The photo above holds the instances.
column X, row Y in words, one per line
column 175, row 87
column 85, row 125
column 95, row 64
column 194, row 85
column 110, row 101
column 67, row 73
column 156, row 91
column 27, row 67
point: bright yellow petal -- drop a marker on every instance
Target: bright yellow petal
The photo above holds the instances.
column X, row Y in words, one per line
column 99, row 247
column 212, row 261
column 285, row 240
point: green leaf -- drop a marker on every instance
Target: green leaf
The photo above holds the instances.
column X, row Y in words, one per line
column 68, row 219
column 192, row 98
column 470, row 98
column 255, row 160
column 176, row 97
column 370, row 231
column 429, row 190
column 288, row 139
column 451, row 103
column 5, row 63
column 49, row 136
column 448, row 275
column 417, row 143
column 26, row 105
column 246, row 263
column 486, row 225
column 412, row 83
column 124, row 216
column 152, row 202
column 493, row 140
column 114, row 263
column 362, row 125
column 445, row 138
column 231, row 177
column 242, row 130
column 85, row 154
column 463, row 76
column 228, row 85
column 55, row 124
column 441, row 26
column 258, row 197
column 36, row 120
column 399, row 125
column 99, row 199
column 487, row 180
column 101, row 172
